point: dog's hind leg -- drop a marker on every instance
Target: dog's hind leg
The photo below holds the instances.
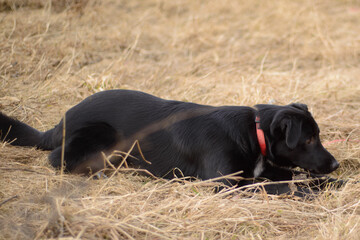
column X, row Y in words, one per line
column 83, row 150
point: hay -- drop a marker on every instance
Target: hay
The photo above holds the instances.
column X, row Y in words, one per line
column 55, row 53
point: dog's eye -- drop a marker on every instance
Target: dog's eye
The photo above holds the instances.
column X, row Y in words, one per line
column 310, row 140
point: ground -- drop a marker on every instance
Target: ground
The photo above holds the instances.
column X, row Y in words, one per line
column 56, row 53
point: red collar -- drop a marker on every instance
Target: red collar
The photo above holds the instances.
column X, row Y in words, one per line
column 260, row 136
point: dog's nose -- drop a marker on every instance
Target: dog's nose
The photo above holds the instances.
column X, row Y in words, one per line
column 335, row 164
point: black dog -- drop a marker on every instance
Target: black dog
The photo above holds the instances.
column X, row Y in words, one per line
column 196, row 140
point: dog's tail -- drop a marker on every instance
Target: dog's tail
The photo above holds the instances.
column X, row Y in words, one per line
column 20, row 134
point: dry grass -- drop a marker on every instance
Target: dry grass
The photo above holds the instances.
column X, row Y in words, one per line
column 55, row 53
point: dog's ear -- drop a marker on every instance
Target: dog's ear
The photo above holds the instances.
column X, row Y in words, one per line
column 300, row 106
column 291, row 127
column 293, row 132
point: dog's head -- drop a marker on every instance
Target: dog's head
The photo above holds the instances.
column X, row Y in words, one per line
column 293, row 138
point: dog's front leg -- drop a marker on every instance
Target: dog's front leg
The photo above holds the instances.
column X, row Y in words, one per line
column 275, row 173
column 312, row 183
column 321, row 181
column 278, row 175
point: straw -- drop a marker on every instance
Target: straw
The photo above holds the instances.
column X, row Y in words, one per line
column 55, row 53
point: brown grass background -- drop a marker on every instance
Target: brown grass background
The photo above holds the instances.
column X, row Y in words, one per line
column 55, row 53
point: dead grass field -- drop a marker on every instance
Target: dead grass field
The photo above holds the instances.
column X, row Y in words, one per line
column 55, row 53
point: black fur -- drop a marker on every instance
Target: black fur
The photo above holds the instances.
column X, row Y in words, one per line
column 197, row 140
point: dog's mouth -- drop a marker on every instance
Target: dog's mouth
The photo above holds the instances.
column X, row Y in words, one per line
column 312, row 171
column 329, row 169
column 320, row 172
column 315, row 171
